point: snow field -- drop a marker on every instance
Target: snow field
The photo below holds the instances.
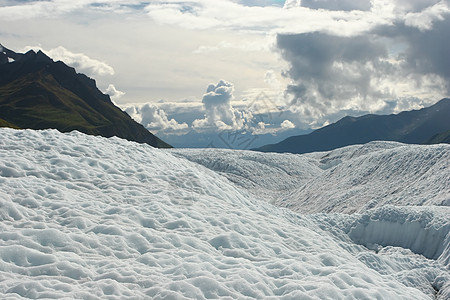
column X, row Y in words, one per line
column 356, row 178
column 267, row 176
column 94, row 218
column 361, row 177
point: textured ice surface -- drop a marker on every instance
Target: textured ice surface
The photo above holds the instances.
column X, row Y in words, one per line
column 357, row 178
column 268, row 176
column 96, row 218
column 350, row 179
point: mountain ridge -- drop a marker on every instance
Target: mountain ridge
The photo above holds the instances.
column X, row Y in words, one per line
column 411, row 127
column 39, row 93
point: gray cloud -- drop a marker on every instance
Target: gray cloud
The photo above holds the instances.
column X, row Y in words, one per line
column 414, row 5
column 365, row 73
column 328, row 71
column 427, row 51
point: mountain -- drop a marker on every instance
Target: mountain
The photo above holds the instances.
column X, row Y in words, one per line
column 411, row 127
column 443, row 137
column 38, row 93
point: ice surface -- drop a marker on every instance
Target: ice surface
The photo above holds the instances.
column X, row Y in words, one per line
column 266, row 175
column 361, row 177
column 93, row 218
column 423, row 230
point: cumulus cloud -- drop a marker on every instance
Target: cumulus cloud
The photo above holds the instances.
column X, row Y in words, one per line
column 155, row 119
column 259, row 116
column 286, row 124
column 219, row 113
column 81, row 62
column 113, row 92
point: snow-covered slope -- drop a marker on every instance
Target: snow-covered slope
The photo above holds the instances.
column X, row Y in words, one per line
column 350, row 179
column 266, row 175
column 357, row 178
column 93, row 218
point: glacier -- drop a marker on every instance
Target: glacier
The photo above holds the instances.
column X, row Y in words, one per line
column 88, row 217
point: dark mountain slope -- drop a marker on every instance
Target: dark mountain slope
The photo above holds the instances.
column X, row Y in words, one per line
column 412, row 127
column 38, row 93
column 443, row 137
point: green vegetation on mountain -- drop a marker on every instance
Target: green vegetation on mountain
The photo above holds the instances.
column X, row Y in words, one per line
column 38, row 93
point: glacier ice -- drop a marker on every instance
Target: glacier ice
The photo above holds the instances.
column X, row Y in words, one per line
column 94, row 218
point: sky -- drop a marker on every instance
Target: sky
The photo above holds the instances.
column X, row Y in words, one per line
column 241, row 73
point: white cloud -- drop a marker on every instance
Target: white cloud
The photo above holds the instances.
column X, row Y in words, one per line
column 219, row 113
column 113, row 92
column 346, row 5
column 17, row 10
column 32, row 9
column 286, row 124
column 155, row 119
column 223, row 14
column 271, row 78
column 207, row 14
column 80, row 61
column 424, row 19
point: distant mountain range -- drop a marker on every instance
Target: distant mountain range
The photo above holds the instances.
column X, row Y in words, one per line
column 38, row 93
column 429, row 125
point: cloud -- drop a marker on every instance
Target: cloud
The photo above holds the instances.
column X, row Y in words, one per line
column 155, row 119
column 406, row 6
column 260, row 116
column 113, row 92
column 346, row 5
column 17, row 9
column 331, row 72
column 425, row 51
column 81, row 62
column 260, row 2
column 424, row 19
column 230, row 15
column 261, row 16
column 271, row 78
column 339, row 57
column 31, row 9
column 286, row 124
column 335, row 75
column 224, row 45
column 219, row 113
